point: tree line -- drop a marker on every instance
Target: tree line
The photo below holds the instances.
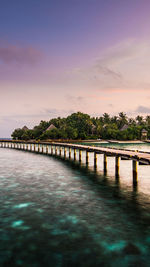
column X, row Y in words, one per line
column 82, row 126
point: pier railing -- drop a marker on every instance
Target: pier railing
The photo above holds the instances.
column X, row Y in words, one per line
column 55, row 148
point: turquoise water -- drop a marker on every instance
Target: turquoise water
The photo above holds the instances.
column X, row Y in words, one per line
column 59, row 213
column 131, row 146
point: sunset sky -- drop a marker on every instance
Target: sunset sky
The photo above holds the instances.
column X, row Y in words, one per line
column 63, row 56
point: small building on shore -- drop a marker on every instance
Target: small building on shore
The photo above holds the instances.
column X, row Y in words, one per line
column 51, row 127
column 124, row 127
column 144, row 134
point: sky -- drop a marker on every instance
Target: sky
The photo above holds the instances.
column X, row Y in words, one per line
column 62, row 56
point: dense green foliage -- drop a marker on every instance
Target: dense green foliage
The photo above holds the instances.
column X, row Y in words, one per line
column 82, row 126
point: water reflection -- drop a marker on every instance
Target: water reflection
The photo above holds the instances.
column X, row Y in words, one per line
column 60, row 213
column 98, row 179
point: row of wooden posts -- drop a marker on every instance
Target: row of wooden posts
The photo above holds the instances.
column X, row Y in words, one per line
column 39, row 148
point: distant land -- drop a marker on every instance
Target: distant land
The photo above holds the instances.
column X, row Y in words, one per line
column 81, row 126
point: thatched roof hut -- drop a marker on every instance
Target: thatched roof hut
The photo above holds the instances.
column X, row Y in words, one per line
column 52, row 126
column 124, row 127
column 144, row 131
column 144, row 134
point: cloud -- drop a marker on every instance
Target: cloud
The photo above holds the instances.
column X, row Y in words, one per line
column 53, row 113
column 75, row 99
column 106, row 71
column 40, row 114
column 20, row 55
column 124, row 66
column 124, row 51
column 142, row 109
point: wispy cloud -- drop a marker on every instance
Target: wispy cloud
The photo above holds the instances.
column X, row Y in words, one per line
column 18, row 54
column 124, row 66
column 106, row 71
column 143, row 109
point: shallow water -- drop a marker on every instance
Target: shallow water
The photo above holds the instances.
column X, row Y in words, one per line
column 59, row 213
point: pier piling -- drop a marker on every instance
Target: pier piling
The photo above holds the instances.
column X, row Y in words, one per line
column 87, row 157
column 75, row 154
column 95, row 160
column 80, row 155
column 105, row 164
column 69, row 153
column 134, row 171
column 117, row 161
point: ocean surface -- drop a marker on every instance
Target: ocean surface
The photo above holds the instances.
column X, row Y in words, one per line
column 59, row 213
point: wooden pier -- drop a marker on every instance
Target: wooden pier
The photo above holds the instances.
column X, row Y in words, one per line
column 55, row 148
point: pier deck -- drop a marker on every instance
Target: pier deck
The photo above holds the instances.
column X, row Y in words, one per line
column 53, row 148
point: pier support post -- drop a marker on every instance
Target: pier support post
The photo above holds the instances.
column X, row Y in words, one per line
column 87, row 157
column 117, row 161
column 80, row 155
column 34, row 147
column 39, row 148
column 60, row 151
column 30, row 147
column 105, row 164
column 55, row 150
column 51, row 150
column 95, row 160
column 64, row 152
column 69, row 153
column 134, row 171
column 46, row 149
column 42, row 149
column 75, row 154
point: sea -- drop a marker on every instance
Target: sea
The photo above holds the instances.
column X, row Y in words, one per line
column 56, row 212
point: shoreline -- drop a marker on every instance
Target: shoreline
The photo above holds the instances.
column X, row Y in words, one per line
column 115, row 141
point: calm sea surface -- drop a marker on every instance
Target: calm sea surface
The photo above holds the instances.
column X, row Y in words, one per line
column 58, row 213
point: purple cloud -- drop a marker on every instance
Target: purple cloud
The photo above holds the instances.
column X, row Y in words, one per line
column 142, row 109
column 20, row 55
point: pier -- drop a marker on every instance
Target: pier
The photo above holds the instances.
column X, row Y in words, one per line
column 69, row 151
